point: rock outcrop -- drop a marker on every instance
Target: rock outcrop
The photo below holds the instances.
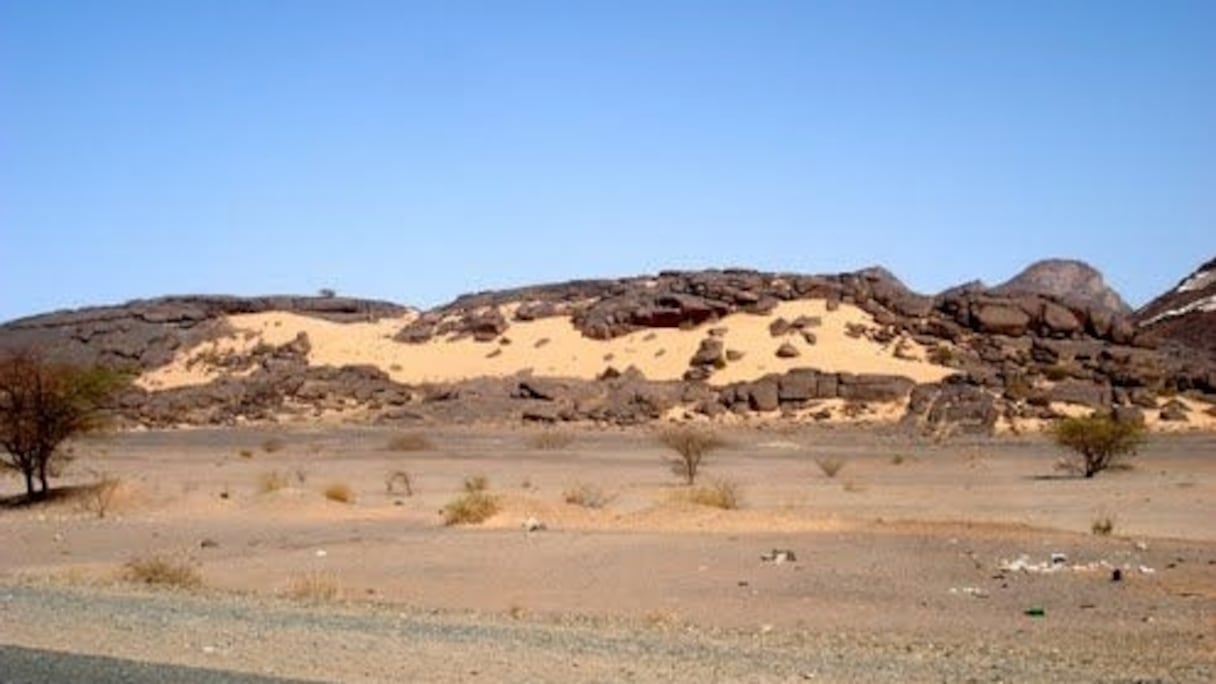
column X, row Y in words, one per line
column 1074, row 282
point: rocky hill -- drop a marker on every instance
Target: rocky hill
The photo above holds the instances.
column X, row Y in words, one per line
column 720, row 344
column 1074, row 282
column 1186, row 315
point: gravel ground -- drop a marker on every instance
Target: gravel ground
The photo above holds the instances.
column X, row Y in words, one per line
column 376, row 643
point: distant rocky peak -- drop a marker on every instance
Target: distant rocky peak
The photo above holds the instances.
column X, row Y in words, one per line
column 1075, row 282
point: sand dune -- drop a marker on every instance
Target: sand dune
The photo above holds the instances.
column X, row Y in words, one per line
column 553, row 347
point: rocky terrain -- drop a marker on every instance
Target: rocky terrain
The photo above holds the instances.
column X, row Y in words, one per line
column 972, row 358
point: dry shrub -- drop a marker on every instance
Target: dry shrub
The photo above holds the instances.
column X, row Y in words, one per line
column 272, row 481
column 586, row 495
column 399, row 478
column 476, row 483
column 162, row 571
column 340, row 492
column 272, row 444
column 316, row 585
column 830, row 465
column 409, row 441
column 724, row 494
column 101, row 496
column 470, row 509
column 1103, row 525
column 550, row 440
column 245, row 453
column 853, row 487
column 691, row 444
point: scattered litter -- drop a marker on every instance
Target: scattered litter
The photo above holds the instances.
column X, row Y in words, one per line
column 969, row 591
column 1116, row 575
column 209, row 649
column 779, row 556
column 1141, row 546
column 534, row 525
column 1058, row 558
column 1035, row 612
column 1146, row 570
column 321, row 553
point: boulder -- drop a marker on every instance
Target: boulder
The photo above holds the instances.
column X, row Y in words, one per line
column 787, row 351
column 1001, row 320
column 873, row 387
column 763, row 395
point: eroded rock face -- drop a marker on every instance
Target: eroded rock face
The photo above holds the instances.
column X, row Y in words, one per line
column 1185, row 317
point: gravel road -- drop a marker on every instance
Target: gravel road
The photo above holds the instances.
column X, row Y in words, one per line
column 380, row 643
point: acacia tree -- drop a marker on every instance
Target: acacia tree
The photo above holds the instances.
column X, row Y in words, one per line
column 691, row 444
column 42, row 404
column 1098, row 442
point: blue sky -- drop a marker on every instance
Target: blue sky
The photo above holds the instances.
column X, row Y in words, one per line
column 417, row 150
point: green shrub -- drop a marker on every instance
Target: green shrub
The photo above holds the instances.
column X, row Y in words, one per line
column 1097, row 442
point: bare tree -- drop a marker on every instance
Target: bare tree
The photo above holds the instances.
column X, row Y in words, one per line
column 42, row 404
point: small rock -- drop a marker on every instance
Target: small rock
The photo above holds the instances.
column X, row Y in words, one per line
column 779, row 556
column 533, row 525
column 787, row 351
column 208, row 543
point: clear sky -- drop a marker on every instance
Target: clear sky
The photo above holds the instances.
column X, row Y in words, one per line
column 417, row 150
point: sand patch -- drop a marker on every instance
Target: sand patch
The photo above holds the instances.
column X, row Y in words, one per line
column 554, row 347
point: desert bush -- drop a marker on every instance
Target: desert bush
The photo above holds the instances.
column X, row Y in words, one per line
column 162, row 571
column 830, row 465
column 724, row 494
column 340, row 492
column 1097, row 442
column 476, row 483
column 272, row 444
column 550, row 440
column 1103, row 525
column 410, row 441
column 316, row 585
column 691, row 444
column 245, row 453
column 898, row 459
column 586, row 495
column 272, row 481
column 470, row 509
column 399, row 478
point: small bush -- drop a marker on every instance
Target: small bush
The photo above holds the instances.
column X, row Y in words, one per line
column 550, row 440
column 724, row 494
column 691, row 444
column 410, row 441
column 314, row 586
column 399, row 478
column 586, row 495
column 470, row 509
column 1103, row 525
column 100, row 496
column 898, row 459
column 1097, row 442
column 476, row 483
column 273, row 444
column 830, row 465
column 245, row 453
column 340, row 492
column 161, row 571
column 272, row 481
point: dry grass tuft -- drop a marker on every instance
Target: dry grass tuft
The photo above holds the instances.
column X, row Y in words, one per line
column 476, row 483
column 163, row 572
column 101, row 496
column 409, row 441
column 724, row 494
column 272, row 481
column 316, row 585
column 1103, row 525
column 550, row 440
column 340, row 492
column 245, row 453
column 830, row 465
column 470, row 509
column 586, row 495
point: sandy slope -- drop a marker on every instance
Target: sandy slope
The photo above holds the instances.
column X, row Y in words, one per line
column 553, row 347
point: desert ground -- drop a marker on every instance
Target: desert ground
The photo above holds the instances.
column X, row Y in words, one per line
column 915, row 561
